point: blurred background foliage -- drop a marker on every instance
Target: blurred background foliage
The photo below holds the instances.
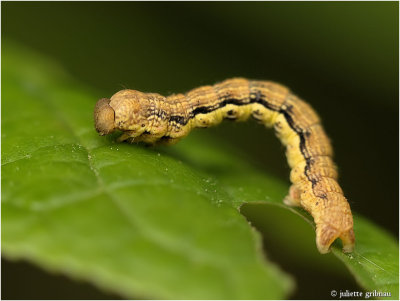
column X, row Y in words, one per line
column 341, row 57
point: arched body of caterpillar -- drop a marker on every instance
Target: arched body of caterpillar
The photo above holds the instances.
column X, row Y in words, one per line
column 152, row 118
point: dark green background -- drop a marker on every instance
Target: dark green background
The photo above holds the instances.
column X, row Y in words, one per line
column 341, row 57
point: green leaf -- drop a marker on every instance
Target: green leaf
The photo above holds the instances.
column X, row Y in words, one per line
column 375, row 261
column 131, row 219
column 149, row 222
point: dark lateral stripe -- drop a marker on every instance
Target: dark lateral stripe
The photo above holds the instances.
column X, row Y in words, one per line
column 254, row 98
column 177, row 119
column 209, row 109
column 258, row 98
column 206, row 109
column 303, row 148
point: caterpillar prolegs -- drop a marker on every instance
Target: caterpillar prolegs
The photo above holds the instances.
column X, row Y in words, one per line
column 153, row 118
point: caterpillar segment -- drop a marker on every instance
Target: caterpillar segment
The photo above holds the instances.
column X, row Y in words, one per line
column 153, row 118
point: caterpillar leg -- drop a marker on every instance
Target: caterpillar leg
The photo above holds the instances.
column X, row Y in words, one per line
column 327, row 234
column 125, row 136
column 168, row 141
column 293, row 198
column 348, row 240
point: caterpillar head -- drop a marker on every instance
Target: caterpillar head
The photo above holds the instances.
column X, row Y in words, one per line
column 104, row 117
column 124, row 111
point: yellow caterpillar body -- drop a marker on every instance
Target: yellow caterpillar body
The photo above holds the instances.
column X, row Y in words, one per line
column 152, row 118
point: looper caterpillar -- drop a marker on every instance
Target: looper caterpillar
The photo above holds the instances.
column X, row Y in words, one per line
column 153, row 118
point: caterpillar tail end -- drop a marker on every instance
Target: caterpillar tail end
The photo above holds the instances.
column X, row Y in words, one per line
column 326, row 235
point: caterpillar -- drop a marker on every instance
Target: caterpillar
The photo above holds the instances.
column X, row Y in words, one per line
column 153, row 118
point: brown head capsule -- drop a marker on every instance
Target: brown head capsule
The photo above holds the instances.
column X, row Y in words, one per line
column 104, row 116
